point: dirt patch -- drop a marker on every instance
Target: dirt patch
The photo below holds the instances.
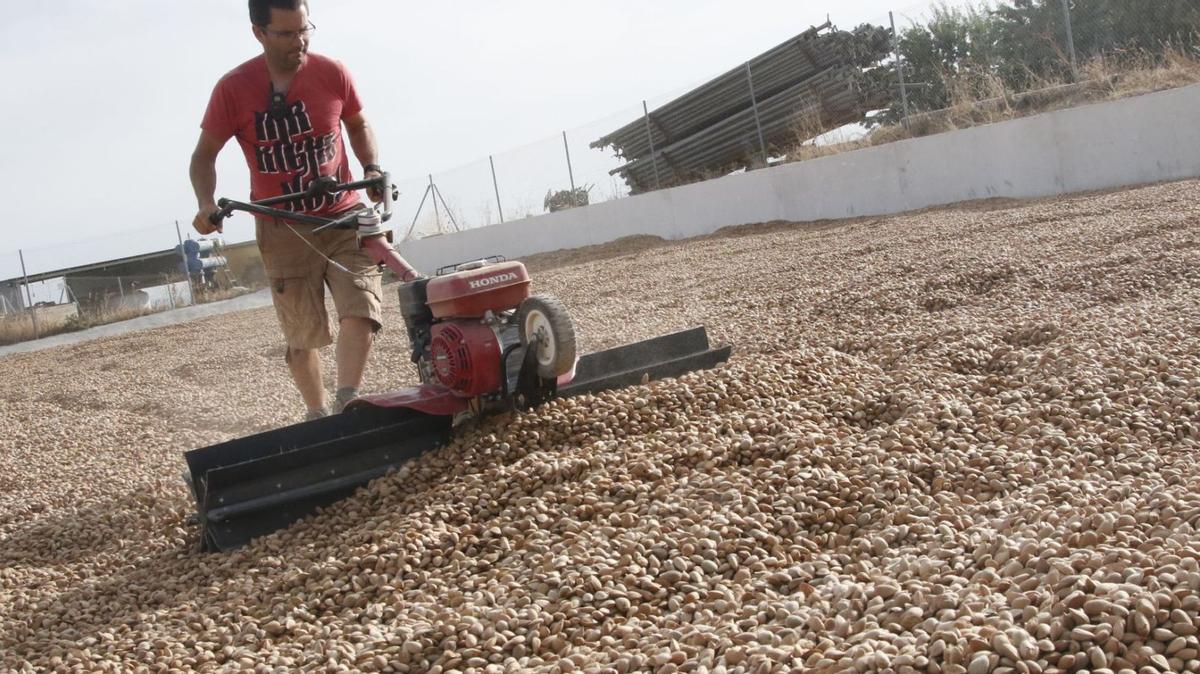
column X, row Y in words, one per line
column 629, row 245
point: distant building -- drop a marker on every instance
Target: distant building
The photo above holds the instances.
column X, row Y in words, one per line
column 99, row 284
column 12, row 300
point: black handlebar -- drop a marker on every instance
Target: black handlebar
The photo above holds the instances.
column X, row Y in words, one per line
column 322, row 186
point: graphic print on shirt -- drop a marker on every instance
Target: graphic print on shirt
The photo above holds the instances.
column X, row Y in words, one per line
column 286, row 145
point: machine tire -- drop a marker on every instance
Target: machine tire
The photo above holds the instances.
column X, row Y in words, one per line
column 543, row 315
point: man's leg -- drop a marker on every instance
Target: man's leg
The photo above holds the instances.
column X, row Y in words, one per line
column 305, row 365
column 301, row 310
column 298, row 293
column 356, row 297
column 354, row 339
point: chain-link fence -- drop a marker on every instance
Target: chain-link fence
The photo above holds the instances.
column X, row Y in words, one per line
column 50, row 306
column 828, row 88
column 918, row 59
column 77, row 284
column 961, row 56
column 563, row 170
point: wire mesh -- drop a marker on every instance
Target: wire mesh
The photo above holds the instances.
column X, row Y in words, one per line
column 528, row 175
column 465, row 197
column 140, row 269
column 1103, row 29
column 594, row 167
column 83, row 251
column 960, row 55
column 59, row 304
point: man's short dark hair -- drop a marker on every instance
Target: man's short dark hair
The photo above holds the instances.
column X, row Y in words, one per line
column 260, row 10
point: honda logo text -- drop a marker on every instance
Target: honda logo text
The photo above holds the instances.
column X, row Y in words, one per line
column 493, row 280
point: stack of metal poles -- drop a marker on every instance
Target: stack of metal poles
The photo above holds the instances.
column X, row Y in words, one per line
column 814, row 81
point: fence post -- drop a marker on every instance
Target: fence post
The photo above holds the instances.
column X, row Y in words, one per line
column 762, row 145
column 187, row 273
column 437, row 216
column 29, row 295
column 900, row 71
column 496, row 186
column 650, row 137
column 437, row 194
column 570, row 171
column 1066, row 5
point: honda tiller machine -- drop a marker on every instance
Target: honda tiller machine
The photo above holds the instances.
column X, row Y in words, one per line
column 481, row 343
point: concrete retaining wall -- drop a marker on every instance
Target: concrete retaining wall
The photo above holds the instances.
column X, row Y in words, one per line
column 1139, row 140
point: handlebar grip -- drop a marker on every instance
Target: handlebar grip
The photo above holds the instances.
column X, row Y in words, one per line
column 387, row 194
column 226, row 209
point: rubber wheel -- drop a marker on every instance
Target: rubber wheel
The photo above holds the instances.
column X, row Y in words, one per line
column 544, row 320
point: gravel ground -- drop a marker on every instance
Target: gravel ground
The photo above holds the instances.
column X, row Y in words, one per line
column 962, row 440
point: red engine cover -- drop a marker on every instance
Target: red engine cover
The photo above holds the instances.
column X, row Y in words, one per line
column 466, row 357
column 469, row 294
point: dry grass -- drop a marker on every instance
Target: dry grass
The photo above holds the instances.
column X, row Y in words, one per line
column 1177, row 68
column 220, row 294
column 16, row 329
column 806, row 127
column 20, row 329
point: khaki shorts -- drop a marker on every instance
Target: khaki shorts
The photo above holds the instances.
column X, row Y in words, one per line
column 298, row 275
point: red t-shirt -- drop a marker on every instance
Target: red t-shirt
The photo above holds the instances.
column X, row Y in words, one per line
column 288, row 147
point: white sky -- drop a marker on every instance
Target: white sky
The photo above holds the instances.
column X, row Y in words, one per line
column 104, row 98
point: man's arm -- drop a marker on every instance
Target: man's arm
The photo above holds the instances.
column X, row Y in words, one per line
column 203, row 171
column 362, row 141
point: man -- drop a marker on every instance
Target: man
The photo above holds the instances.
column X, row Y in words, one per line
column 286, row 107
